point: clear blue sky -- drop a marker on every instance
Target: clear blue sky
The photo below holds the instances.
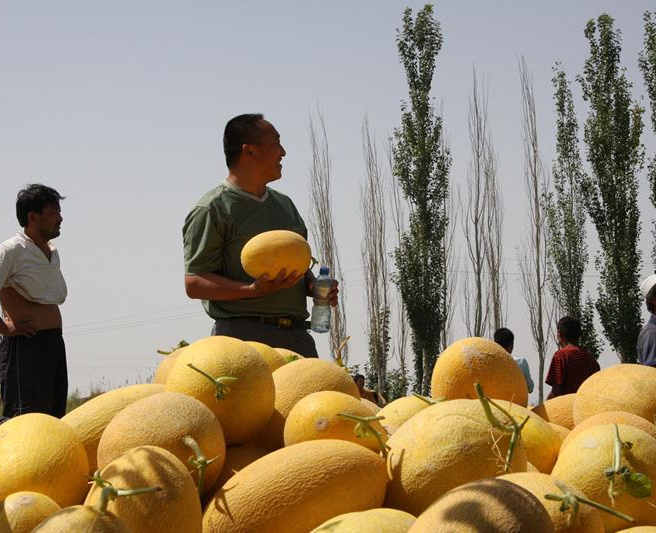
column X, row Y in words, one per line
column 120, row 106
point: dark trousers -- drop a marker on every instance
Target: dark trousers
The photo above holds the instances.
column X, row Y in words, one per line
column 33, row 374
column 296, row 339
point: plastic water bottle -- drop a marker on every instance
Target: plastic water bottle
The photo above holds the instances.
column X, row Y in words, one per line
column 320, row 321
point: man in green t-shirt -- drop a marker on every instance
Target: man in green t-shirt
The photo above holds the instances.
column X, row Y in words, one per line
column 272, row 311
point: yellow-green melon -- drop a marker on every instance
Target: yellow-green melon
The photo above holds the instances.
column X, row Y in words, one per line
column 82, row 518
column 90, row 419
column 293, row 382
column 297, row 488
column 617, row 388
column 288, row 355
column 380, row 520
column 488, row 505
column 248, row 403
column 587, row 456
column 40, row 453
column 174, row 509
column 400, row 410
column 271, row 251
column 238, row 457
column 272, row 357
column 164, row 420
column 558, row 410
column 476, row 359
column 26, row 510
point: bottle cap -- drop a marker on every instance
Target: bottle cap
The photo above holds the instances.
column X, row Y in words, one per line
column 324, row 270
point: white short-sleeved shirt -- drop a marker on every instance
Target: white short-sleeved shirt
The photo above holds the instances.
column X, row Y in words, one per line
column 26, row 269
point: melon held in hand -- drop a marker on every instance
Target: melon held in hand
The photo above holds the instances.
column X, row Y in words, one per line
column 271, row 251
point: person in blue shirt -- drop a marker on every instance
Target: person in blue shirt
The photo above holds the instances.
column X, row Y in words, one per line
column 646, row 345
column 506, row 338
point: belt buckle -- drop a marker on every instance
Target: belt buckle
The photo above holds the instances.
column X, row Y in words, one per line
column 284, row 322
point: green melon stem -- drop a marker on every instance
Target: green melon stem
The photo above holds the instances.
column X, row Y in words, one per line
column 363, row 429
column 569, row 500
column 429, row 401
column 198, row 460
column 512, row 428
column 181, row 344
column 109, row 493
column 221, row 383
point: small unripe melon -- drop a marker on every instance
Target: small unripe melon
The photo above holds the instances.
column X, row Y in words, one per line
column 26, row 510
column 317, row 417
column 164, row 420
column 586, row 520
column 400, row 410
column 585, row 459
column 473, row 360
column 90, row 419
column 293, row 382
column 40, row 453
column 173, row 509
column 297, row 488
column 488, row 505
column 272, row 357
column 271, row 251
column 381, row 520
column 247, row 405
column 558, row 410
column 617, row 388
column 439, row 449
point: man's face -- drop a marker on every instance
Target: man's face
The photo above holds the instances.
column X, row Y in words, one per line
column 268, row 152
column 48, row 222
column 359, row 382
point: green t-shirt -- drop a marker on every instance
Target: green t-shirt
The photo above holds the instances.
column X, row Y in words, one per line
column 216, row 230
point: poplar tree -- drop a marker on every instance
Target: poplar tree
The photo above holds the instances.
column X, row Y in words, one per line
column 616, row 155
column 565, row 211
column 421, row 165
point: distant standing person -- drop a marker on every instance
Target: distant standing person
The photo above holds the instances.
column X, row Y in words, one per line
column 33, row 374
column 506, row 338
column 271, row 311
column 368, row 394
column 646, row 345
column 571, row 365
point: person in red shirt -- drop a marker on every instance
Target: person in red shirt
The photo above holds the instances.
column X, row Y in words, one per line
column 571, row 365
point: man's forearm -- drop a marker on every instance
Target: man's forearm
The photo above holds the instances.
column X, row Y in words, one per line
column 214, row 287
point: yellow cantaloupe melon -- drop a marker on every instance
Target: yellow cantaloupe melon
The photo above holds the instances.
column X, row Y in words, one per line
column 238, row 457
column 26, row 509
column 439, row 449
column 247, row 406
column 612, row 417
column 317, row 416
column 562, row 431
column 619, row 387
column 288, row 355
column 380, row 520
column 582, row 464
column 488, row 505
column 271, row 251
column 164, row 420
column 82, row 518
column 370, row 405
column 293, row 382
column 40, row 453
column 272, row 357
column 90, row 419
column 639, row 529
column 400, row 410
column 174, row 509
column 558, row 410
column 473, row 360
column 586, row 520
column 297, row 488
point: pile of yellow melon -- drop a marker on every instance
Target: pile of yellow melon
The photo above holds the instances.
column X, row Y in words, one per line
column 239, row 437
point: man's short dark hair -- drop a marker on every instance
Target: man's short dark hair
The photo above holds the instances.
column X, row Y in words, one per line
column 34, row 198
column 358, row 376
column 651, row 296
column 240, row 130
column 570, row 329
column 504, row 337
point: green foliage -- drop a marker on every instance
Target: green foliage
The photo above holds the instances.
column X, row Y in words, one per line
column 421, row 164
column 565, row 216
column 647, row 62
column 615, row 153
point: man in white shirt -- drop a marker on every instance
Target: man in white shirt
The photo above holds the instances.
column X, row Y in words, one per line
column 33, row 373
column 506, row 338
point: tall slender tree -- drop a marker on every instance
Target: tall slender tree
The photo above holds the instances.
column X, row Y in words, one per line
column 647, row 62
column 565, row 214
column 534, row 257
column 616, row 155
column 422, row 163
column 374, row 260
column 322, row 229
